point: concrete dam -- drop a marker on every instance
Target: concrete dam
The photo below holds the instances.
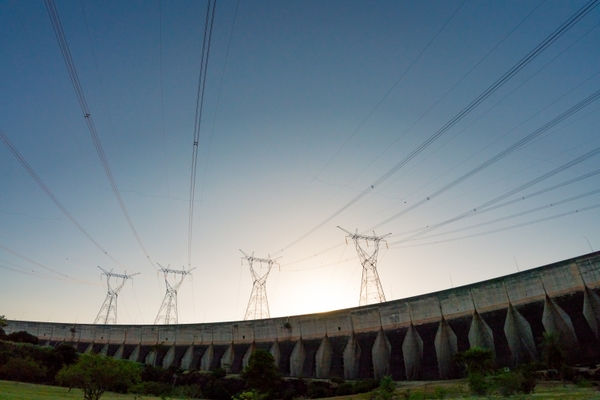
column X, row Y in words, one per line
column 413, row 338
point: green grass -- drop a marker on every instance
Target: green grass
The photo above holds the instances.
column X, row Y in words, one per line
column 457, row 389
column 28, row 391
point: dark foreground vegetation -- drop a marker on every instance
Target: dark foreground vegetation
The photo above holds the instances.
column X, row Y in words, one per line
column 22, row 359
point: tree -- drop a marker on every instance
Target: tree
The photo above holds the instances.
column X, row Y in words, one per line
column 261, row 373
column 3, row 324
column 479, row 365
column 96, row 374
column 23, row 370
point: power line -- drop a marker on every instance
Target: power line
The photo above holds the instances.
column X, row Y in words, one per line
column 579, row 106
column 522, row 198
column 198, row 118
column 580, row 210
column 535, row 52
column 49, row 193
column 497, row 199
column 519, row 214
column 315, row 178
column 66, row 53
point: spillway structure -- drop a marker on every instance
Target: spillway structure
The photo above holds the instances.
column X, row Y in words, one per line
column 413, row 338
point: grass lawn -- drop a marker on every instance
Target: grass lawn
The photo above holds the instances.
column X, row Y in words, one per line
column 28, row 391
column 456, row 389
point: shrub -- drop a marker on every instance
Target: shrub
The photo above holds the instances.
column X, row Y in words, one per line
column 365, row 385
column 157, row 389
column 344, row 389
column 22, row 337
column 479, row 384
column 261, row 373
column 23, row 370
column 96, row 374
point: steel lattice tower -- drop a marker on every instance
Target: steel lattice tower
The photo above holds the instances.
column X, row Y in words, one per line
column 108, row 311
column 167, row 312
column 258, row 306
column 371, row 291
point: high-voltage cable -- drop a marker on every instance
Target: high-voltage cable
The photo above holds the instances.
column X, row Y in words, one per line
column 535, row 52
column 208, row 27
column 510, row 202
column 506, row 228
column 515, row 215
column 579, row 106
column 497, row 199
column 49, row 193
column 66, row 53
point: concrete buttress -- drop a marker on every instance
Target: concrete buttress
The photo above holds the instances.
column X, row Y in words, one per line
column 297, row 359
column 555, row 319
column 188, row 357
column 519, row 336
column 135, row 354
column 228, row 358
column 351, row 357
column 323, row 359
column 381, row 353
column 276, row 353
column 591, row 310
column 207, row 358
column 412, row 348
column 169, row 357
column 119, row 353
column 446, row 347
column 480, row 333
column 246, row 357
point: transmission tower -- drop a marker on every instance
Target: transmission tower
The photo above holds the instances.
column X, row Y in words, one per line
column 108, row 311
column 258, row 306
column 371, row 291
column 168, row 309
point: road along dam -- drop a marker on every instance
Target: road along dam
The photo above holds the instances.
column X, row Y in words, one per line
column 414, row 338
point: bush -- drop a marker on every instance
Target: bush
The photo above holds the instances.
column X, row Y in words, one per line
column 365, row 386
column 157, row 389
column 479, row 384
column 22, row 337
column 261, row 373
column 386, row 389
column 23, row 370
column 344, row 389
column 318, row 390
column 96, row 374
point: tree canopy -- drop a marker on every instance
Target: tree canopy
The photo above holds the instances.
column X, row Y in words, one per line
column 261, row 373
column 96, row 374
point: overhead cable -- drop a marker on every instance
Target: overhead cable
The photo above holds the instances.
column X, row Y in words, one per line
column 497, row 199
column 208, row 27
column 49, row 193
column 66, row 53
column 579, row 106
column 549, row 40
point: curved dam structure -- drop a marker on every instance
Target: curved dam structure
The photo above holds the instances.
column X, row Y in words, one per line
column 413, row 338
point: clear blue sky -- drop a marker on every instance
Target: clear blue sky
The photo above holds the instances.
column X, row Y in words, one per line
column 307, row 104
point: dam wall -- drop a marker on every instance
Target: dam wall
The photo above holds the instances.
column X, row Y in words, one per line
column 414, row 338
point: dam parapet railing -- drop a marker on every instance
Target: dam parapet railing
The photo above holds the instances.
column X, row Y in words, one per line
column 413, row 338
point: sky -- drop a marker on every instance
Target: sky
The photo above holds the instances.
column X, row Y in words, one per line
column 316, row 114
